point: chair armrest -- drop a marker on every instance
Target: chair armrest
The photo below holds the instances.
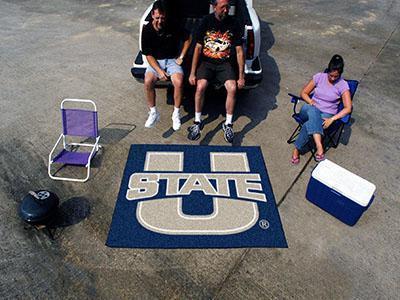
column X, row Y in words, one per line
column 55, row 146
column 95, row 148
column 295, row 99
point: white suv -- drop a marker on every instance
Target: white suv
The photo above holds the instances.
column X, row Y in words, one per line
column 190, row 15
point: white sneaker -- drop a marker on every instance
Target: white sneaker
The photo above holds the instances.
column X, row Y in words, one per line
column 176, row 121
column 153, row 118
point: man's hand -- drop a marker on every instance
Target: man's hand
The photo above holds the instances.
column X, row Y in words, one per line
column 179, row 60
column 240, row 83
column 163, row 75
column 327, row 122
column 192, row 79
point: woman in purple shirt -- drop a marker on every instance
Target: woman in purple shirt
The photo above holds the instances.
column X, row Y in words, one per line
column 321, row 110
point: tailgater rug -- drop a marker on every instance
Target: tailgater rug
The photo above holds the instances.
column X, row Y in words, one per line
column 184, row 196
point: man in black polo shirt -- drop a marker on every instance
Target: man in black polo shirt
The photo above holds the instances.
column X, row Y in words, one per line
column 160, row 45
column 218, row 46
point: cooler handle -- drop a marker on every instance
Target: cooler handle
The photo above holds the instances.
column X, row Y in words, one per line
column 333, row 191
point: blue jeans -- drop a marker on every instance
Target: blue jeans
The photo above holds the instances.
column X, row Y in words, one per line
column 313, row 119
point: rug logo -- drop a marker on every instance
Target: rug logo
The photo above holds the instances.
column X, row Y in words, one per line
column 163, row 214
column 146, row 185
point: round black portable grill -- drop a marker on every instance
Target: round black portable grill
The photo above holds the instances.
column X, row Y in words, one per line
column 38, row 208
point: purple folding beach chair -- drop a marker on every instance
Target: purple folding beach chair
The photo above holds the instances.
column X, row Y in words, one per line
column 77, row 123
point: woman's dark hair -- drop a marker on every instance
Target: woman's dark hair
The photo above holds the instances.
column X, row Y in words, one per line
column 160, row 6
column 336, row 64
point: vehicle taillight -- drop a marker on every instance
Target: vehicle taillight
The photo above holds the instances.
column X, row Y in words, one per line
column 250, row 44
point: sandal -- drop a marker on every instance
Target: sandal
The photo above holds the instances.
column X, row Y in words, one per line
column 319, row 157
column 295, row 160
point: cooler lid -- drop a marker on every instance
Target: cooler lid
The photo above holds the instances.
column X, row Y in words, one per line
column 345, row 182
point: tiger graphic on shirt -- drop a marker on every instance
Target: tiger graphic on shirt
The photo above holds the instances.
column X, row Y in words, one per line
column 217, row 45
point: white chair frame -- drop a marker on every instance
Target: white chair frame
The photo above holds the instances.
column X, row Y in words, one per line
column 94, row 147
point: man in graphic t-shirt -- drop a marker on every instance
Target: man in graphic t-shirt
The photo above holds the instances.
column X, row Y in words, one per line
column 160, row 45
column 218, row 47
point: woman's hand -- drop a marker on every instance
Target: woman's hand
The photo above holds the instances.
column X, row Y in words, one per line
column 327, row 122
column 306, row 91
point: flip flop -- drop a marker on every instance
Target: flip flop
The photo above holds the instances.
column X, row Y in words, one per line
column 319, row 157
column 295, row 160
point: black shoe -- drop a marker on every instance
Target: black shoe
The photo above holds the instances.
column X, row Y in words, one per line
column 194, row 131
column 228, row 132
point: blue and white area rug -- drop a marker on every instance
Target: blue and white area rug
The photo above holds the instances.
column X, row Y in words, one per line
column 181, row 196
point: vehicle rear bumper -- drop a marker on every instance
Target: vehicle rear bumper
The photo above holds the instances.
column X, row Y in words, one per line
column 253, row 76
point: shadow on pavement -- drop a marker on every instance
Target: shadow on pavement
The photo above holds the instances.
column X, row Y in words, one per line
column 114, row 132
column 70, row 212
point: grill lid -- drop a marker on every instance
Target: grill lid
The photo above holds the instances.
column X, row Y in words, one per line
column 38, row 206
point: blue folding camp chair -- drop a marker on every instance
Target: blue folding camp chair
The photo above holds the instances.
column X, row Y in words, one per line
column 333, row 133
column 77, row 123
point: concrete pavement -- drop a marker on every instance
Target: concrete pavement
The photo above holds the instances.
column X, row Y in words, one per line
column 51, row 50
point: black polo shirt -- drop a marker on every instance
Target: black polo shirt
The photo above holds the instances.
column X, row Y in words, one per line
column 164, row 43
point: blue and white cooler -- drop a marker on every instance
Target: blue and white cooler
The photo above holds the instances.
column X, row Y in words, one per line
column 339, row 192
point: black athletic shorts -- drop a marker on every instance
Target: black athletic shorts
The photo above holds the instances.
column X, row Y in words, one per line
column 220, row 72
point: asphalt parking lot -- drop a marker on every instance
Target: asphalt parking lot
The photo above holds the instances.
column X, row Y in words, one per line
column 50, row 50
